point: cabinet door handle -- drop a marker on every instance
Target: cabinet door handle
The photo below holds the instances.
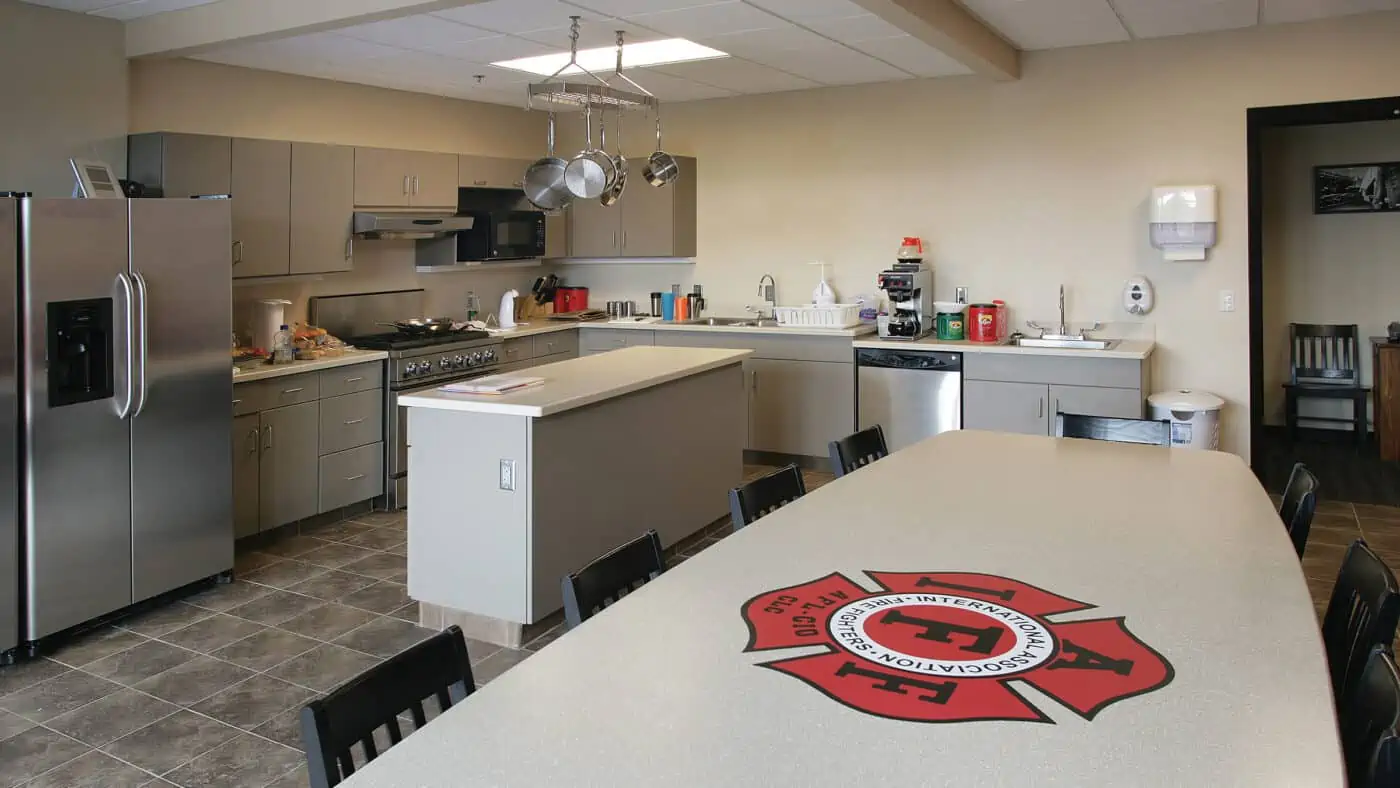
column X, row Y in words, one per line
column 237, row 402
column 349, row 247
column 479, row 183
column 354, row 478
column 1040, row 413
column 619, row 341
column 267, row 437
column 755, row 381
column 354, row 421
column 512, row 351
column 1057, row 404
column 624, row 239
column 237, row 252
column 519, row 184
column 614, row 239
column 252, row 441
column 415, row 184
column 293, row 391
column 353, row 380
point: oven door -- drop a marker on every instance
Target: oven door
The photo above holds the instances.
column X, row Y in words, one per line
column 396, row 486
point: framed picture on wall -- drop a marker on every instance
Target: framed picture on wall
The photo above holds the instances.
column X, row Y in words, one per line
column 1356, row 188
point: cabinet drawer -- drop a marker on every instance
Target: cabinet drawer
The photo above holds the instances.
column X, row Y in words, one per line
column 602, row 340
column 558, row 343
column 352, row 420
column 245, row 399
column 348, row 380
column 1103, row 372
column 518, row 349
column 351, row 476
column 263, row 395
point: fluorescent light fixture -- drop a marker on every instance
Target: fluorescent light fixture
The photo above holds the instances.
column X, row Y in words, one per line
column 604, row 59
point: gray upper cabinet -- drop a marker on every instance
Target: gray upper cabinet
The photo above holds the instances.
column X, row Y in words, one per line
column 323, row 202
column 262, row 202
column 648, row 220
column 1006, row 407
column 288, row 488
column 489, row 172
column 405, row 179
column 434, row 181
column 645, row 222
column 245, row 443
column 183, row 165
column 594, row 230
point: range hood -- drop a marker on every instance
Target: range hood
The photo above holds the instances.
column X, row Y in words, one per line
column 408, row 226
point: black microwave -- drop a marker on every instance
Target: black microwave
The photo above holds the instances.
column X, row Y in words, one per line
column 501, row 235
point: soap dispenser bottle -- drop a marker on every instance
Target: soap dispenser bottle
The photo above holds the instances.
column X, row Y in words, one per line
column 823, row 295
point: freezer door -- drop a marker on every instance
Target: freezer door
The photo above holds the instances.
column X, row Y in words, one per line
column 77, row 521
column 182, row 470
column 9, row 427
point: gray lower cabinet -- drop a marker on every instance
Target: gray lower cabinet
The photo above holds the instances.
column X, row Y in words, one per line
column 798, row 407
column 351, row 476
column 1096, row 401
column 291, row 442
column 601, row 340
column 246, row 482
column 1006, row 407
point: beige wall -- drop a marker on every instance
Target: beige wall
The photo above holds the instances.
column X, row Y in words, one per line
column 193, row 96
column 1329, row 268
column 1019, row 187
column 63, row 95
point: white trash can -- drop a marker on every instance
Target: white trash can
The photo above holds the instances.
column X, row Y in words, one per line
column 1195, row 417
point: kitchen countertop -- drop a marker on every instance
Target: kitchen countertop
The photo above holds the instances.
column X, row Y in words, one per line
column 584, row 381
column 550, row 326
column 257, row 370
column 1134, row 349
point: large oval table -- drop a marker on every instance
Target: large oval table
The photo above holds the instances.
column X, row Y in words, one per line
column 979, row 609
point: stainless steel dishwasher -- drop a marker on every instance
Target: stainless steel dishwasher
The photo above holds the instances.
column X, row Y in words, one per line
column 912, row 394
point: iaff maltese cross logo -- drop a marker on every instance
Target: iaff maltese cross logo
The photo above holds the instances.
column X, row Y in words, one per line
column 949, row 647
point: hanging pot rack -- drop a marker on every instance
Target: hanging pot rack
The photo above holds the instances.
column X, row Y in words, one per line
column 588, row 88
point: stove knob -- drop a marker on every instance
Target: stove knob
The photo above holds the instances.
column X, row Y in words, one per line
column 459, row 362
column 477, row 358
column 444, row 363
column 472, row 360
column 489, row 355
column 410, row 369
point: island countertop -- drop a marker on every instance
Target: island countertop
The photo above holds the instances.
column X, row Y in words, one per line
column 584, row 381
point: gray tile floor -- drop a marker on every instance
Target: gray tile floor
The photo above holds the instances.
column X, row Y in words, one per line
column 205, row 692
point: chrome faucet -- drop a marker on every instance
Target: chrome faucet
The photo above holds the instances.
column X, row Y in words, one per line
column 769, row 293
column 1062, row 331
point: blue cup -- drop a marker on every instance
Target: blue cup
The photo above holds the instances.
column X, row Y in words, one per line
column 668, row 306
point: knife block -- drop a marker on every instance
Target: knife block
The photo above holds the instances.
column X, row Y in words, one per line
column 526, row 308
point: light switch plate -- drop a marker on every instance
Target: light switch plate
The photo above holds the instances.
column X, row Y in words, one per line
column 507, row 474
column 1227, row 300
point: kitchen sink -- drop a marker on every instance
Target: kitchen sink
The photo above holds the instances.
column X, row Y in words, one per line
column 1082, row 344
column 732, row 322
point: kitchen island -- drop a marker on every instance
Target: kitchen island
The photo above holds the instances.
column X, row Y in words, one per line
column 513, row 491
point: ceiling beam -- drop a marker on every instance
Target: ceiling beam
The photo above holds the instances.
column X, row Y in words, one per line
column 192, row 30
column 949, row 28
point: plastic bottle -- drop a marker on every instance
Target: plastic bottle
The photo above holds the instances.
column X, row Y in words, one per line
column 823, row 295
column 283, row 349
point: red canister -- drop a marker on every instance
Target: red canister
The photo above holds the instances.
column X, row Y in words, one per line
column 1003, row 319
column 982, row 323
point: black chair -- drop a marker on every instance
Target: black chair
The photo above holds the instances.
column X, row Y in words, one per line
column 611, row 577
column 765, row 495
column 330, row 727
column 1298, row 505
column 1108, row 428
column 1324, row 364
column 1368, row 723
column 858, row 450
column 1361, row 614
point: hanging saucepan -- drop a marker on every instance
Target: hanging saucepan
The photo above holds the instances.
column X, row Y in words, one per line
column 585, row 176
column 661, row 167
column 544, row 180
column 611, row 196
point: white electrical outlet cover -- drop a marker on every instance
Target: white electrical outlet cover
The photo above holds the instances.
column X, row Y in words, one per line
column 1138, row 296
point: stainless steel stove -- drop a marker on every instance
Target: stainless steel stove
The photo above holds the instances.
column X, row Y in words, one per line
column 416, row 363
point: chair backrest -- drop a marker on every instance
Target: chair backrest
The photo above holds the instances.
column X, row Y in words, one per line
column 765, row 495
column 439, row 667
column 858, row 450
column 1362, row 613
column 1324, row 353
column 611, row 577
column 1385, row 764
column 1368, row 718
column 1108, row 428
column 1298, row 505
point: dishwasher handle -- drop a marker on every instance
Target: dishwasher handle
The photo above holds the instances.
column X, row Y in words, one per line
column 916, row 360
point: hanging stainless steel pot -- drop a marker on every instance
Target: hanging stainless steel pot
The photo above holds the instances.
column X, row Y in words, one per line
column 544, row 179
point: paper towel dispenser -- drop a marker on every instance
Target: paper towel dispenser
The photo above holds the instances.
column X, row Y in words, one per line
column 1184, row 221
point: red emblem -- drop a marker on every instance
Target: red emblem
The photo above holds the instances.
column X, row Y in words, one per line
column 947, row 647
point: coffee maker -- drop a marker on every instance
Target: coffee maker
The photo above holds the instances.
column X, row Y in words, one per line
column 909, row 286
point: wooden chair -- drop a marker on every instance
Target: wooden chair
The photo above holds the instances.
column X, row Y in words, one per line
column 858, row 450
column 1361, row 614
column 1370, row 724
column 611, row 577
column 1324, row 364
column 330, row 727
column 1298, row 505
column 1107, row 428
column 765, row 495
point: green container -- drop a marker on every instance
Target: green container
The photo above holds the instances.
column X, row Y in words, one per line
column 950, row 325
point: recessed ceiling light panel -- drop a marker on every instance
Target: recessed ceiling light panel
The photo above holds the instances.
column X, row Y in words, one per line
column 604, row 59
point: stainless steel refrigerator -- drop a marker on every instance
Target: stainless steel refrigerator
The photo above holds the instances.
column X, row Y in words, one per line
column 125, row 465
column 9, row 428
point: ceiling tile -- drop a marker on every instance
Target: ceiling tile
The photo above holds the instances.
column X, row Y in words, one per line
column 80, row 6
column 757, row 42
column 1280, row 11
column 707, row 21
column 517, row 16
column 1047, row 24
column 804, row 11
column 737, row 75
column 591, row 34
column 912, row 55
column 627, row 8
column 140, row 8
column 421, row 32
column 1154, row 19
column 669, row 88
column 491, row 50
column 834, row 64
column 854, row 28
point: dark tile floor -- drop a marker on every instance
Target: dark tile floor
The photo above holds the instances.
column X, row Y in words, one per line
column 204, row 693
column 1348, row 472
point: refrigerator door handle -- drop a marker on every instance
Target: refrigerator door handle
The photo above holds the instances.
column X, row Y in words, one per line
column 130, row 299
column 143, row 294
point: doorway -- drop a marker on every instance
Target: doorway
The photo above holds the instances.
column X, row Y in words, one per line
column 1303, row 267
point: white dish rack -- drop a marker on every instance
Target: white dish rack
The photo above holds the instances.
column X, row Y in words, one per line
column 813, row 316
